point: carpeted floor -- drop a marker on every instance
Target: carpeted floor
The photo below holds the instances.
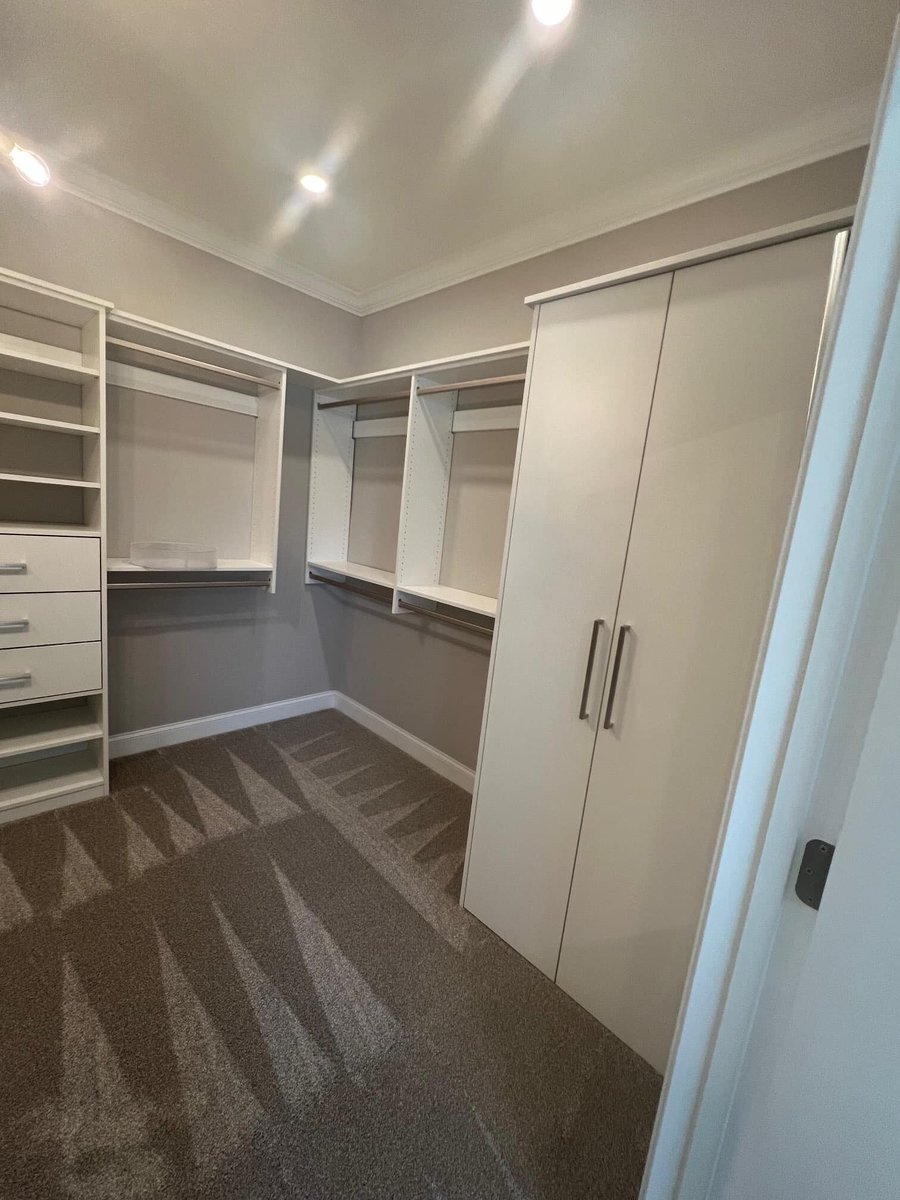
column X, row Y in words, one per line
column 244, row 976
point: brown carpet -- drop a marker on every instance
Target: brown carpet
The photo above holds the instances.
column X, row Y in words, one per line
column 243, row 977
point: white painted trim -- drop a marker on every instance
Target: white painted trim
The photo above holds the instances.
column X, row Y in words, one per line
column 842, row 125
column 439, row 762
column 809, row 226
column 123, row 744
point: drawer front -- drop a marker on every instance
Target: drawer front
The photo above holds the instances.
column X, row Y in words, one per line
column 48, row 618
column 49, row 564
column 37, row 672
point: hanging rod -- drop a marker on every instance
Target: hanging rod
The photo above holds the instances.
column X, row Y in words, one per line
column 350, row 587
column 439, row 616
column 469, row 384
column 211, row 583
column 465, row 386
column 189, row 362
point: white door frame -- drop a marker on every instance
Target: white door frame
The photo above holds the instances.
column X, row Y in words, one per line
column 845, row 474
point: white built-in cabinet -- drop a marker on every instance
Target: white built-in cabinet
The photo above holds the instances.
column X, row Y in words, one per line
column 53, row 709
column 663, row 428
column 410, row 484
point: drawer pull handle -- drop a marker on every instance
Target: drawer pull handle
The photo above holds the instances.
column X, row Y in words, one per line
column 14, row 626
column 12, row 680
column 18, row 568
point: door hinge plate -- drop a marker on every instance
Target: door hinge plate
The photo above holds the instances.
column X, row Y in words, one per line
column 813, row 872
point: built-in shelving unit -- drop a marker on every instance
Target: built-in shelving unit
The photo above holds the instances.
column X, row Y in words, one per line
column 195, row 449
column 410, row 485
column 53, row 715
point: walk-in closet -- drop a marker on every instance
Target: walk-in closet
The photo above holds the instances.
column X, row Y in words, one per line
column 416, row 425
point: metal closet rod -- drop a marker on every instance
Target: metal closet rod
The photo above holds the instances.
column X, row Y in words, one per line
column 350, row 587
column 418, row 609
column 466, row 386
column 190, row 583
column 189, row 362
column 421, row 611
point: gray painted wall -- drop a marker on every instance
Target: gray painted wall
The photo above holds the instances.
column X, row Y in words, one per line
column 67, row 241
column 488, row 311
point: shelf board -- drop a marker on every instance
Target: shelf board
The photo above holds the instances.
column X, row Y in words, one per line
column 54, row 480
column 44, row 778
column 31, row 358
column 25, row 529
column 484, row 606
column 8, row 418
column 357, row 571
column 25, row 732
column 224, row 564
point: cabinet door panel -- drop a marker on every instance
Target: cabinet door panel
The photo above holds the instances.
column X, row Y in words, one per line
column 723, row 448
column 594, row 364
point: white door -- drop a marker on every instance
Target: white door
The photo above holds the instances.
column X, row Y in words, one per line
column 817, row 1109
column 723, row 451
column 592, row 374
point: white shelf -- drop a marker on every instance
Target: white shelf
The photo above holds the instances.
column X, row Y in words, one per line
column 485, row 606
column 55, row 480
column 25, row 528
column 44, row 778
column 356, row 571
column 224, row 564
column 7, row 418
column 29, row 731
column 49, row 362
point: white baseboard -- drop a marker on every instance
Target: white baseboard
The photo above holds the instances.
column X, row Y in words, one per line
column 123, row 744
column 423, row 752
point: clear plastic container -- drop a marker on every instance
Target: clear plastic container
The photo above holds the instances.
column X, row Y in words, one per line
column 173, row 556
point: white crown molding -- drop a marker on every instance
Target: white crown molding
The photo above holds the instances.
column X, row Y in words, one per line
column 104, row 192
column 839, row 127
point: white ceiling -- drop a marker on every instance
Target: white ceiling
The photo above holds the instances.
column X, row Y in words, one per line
column 460, row 136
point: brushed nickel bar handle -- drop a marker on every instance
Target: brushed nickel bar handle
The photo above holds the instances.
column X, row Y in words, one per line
column 421, row 611
column 14, row 626
column 614, row 682
column 12, row 680
column 17, row 568
column 583, row 713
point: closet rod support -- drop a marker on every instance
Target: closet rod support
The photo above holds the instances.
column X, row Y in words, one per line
column 364, row 400
column 421, row 611
column 349, row 587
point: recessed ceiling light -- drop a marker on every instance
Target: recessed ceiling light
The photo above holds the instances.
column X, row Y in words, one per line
column 30, row 166
column 315, row 184
column 551, row 12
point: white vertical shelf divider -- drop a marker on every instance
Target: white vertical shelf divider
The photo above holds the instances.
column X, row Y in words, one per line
column 426, row 481
column 330, row 487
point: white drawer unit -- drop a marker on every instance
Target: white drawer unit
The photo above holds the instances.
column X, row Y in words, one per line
column 48, row 618
column 34, row 563
column 41, row 672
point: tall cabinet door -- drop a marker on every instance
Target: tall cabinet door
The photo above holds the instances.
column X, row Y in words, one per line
column 592, row 373
column 723, row 449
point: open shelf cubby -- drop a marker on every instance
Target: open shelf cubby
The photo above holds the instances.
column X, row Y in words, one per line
column 195, row 443
column 411, row 483
column 51, row 407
